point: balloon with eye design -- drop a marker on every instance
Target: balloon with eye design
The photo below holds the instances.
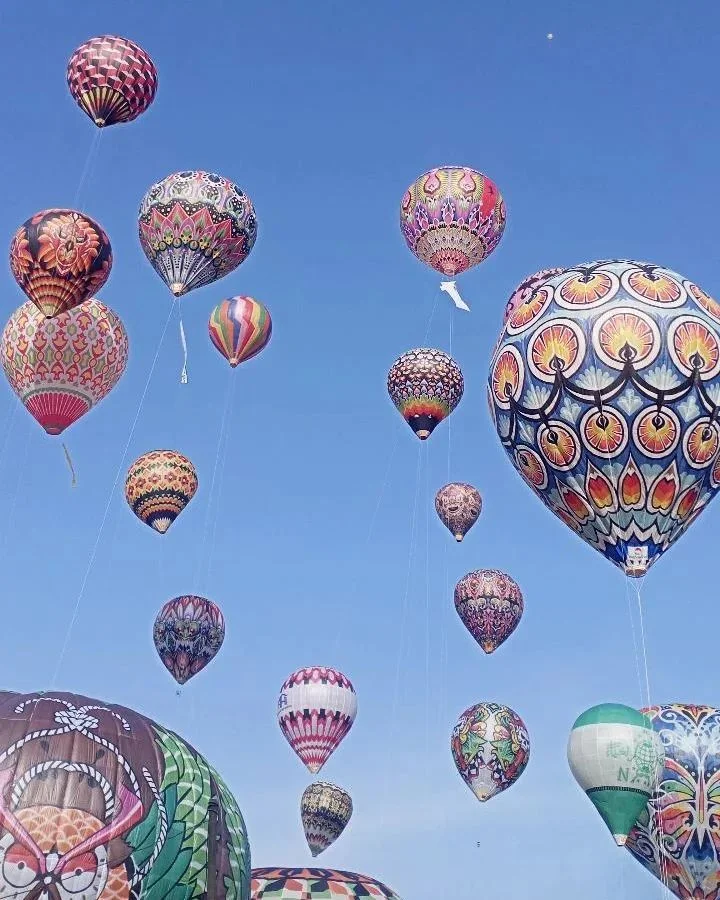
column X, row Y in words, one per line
column 425, row 385
column 458, row 506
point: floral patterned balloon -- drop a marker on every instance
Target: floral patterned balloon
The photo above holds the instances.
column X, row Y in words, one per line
column 490, row 605
column 188, row 633
column 158, row 487
column 425, row 385
column 458, row 506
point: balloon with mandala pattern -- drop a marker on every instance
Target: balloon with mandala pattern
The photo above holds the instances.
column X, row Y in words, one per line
column 452, row 218
column 60, row 257
column 491, row 748
column 240, row 328
column 316, row 709
column 111, row 79
column 458, row 506
column 61, row 367
column 325, row 810
column 425, row 385
column 196, row 227
column 685, row 808
column 316, row 884
column 604, row 390
column 188, row 633
column 490, row 605
column 158, row 487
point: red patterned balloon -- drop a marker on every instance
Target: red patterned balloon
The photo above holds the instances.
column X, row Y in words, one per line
column 60, row 257
column 490, row 605
column 111, row 79
column 62, row 367
column 458, row 507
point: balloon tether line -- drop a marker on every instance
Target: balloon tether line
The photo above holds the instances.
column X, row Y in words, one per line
column 69, row 461
column 92, row 152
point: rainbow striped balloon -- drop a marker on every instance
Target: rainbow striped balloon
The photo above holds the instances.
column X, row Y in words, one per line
column 240, row 328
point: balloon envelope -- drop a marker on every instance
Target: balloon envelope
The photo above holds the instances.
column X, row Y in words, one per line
column 458, row 506
column 196, row 227
column 323, row 884
column 240, row 328
column 325, row 810
column 490, row 605
column 452, row 218
column 525, row 293
column 604, row 392
column 111, row 79
column 188, row 633
column 316, row 709
column 158, row 487
column 425, row 385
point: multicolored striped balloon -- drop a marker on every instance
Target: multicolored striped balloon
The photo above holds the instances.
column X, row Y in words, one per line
column 240, row 328
column 158, row 487
column 325, row 810
column 188, row 633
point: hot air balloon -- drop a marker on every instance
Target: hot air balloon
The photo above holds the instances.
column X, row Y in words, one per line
column 60, row 368
column 316, row 884
column 188, row 633
column 194, row 228
column 524, row 293
column 458, row 506
column 111, row 79
column 491, row 748
column 325, row 810
column 490, row 605
column 98, row 802
column 240, row 328
column 60, row 257
column 316, row 709
column 604, row 393
column 425, row 385
column 616, row 758
column 158, row 487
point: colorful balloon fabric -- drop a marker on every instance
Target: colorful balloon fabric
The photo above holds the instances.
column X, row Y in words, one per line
column 60, row 257
column 683, row 811
column 196, row 227
column 98, row 802
column 240, row 328
column 158, row 487
column 604, row 391
column 491, row 748
column 458, row 506
column 188, row 633
column 617, row 759
column 425, row 385
column 60, row 368
column 323, row 884
column 111, row 79
column 325, row 810
column 452, row 218
column 524, row 293
column 490, row 605
column 316, row 709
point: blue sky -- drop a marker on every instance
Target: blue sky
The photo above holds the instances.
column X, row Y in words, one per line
column 604, row 143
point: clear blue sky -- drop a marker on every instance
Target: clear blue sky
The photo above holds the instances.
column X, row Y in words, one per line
column 604, row 142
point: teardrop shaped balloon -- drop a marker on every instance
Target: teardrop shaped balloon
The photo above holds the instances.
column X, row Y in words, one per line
column 60, row 368
column 188, row 633
column 425, row 385
column 316, row 709
column 325, row 810
column 240, row 328
column 491, row 748
column 675, row 836
column 617, row 759
column 195, row 227
column 458, row 506
column 60, row 258
column 604, row 393
column 452, row 218
column 490, row 605
column 158, row 487
column 111, row 79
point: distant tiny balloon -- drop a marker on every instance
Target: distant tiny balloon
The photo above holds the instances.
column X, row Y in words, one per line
column 550, row 35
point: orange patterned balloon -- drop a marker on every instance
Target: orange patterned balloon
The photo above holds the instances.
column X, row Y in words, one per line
column 159, row 486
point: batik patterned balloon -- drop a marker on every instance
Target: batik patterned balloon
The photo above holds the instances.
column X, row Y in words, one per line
column 490, row 605
column 458, row 506
column 60, row 368
column 196, row 227
column 188, row 633
column 683, row 816
column 316, row 709
column 605, row 390
column 491, row 748
column 111, row 79
column 240, row 328
column 325, row 810
column 316, row 884
column 452, row 218
column 60, row 257
column 425, row 385
column 158, row 487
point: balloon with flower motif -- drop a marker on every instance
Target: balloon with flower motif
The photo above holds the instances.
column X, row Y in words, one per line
column 240, row 328
column 605, row 392
column 425, row 385
column 458, row 506
column 194, row 228
column 188, row 633
column 158, row 487
column 490, row 605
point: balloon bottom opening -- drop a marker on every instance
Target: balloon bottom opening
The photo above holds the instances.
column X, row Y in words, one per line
column 423, row 425
column 56, row 411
